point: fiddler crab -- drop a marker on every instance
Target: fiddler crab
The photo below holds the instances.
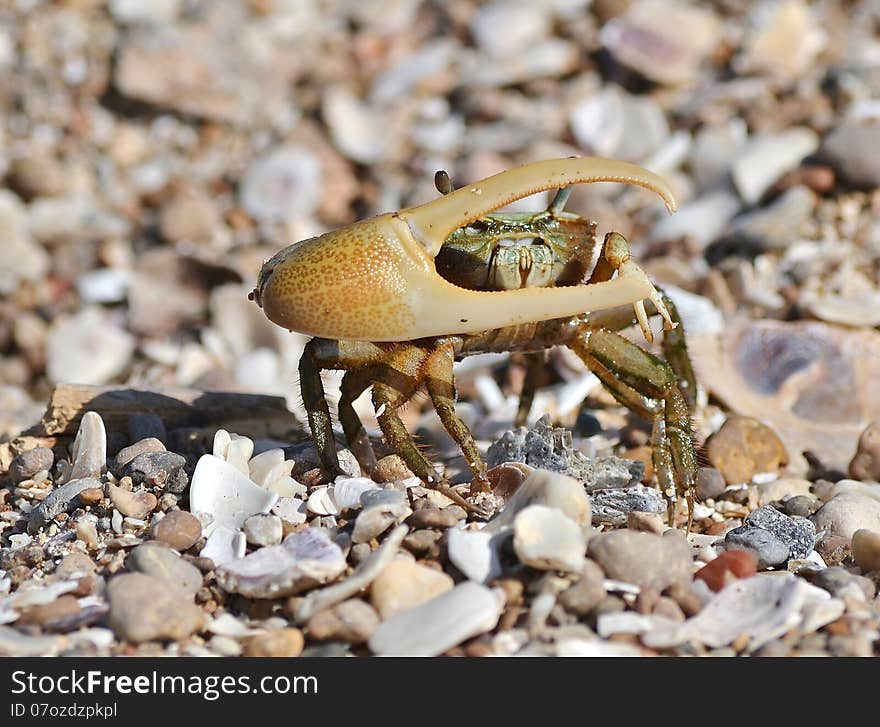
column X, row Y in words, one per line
column 394, row 300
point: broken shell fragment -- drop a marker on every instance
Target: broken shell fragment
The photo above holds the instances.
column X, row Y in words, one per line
column 221, row 490
column 304, row 560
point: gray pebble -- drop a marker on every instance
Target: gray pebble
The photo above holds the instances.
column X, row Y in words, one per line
column 647, row 560
column 613, row 506
column 837, row 579
column 163, row 563
column 710, row 483
column 27, row 464
column 62, row 499
column 768, row 549
column 852, row 149
column 796, row 532
column 800, row 505
column 127, row 454
column 584, row 595
column 158, row 469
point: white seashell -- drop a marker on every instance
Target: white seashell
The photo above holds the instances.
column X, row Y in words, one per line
column 221, row 443
column 546, row 539
column 239, row 452
column 305, row 559
column 347, row 491
column 291, row 510
column 89, row 447
column 474, row 553
column 222, row 491
column 321, row 502
column 224, row 545
column 286, row 486
column 227, row 625
column 38, row 595
column 552, row 489
column 262, row 468
column 437, row 625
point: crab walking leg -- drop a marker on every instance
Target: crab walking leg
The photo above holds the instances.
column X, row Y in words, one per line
column 534, row 366
column 320, row 354
column 441, row 389
column 354, row 383
column 675, row 352
column 433, row 222
column 648, row 385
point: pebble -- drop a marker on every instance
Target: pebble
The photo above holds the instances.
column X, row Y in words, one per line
column 766, row 157
column 178, row 529
column 375, row 520
column 159, row 561
column 261, row 530
column 73, row 343
column 767, row 547
column 796, row 532
column 544, row 538
column 800, row 505
column 615, row 506
column 125, row 455
column 729, row 565
column 74, row 565
column 25, row 465
column 587, row 592
column 142, row 609
column 710, row 483
column 866, row 549
column 431, row 516
column 353, row 621
column 646, row 560
column 404, row 584
column 191, row 216
column 284, row 183
column 847, row 512
column 667, row 42
column 865, row 464
column 552, row 489
column 837, row 581
column 391, row 469
column 743, row 447
column 772, row 227
column 158, row 469
column 61, row 499
column 834, row 549
column 475, row 553
column 439, row 624
column 50, row 616
column 287, row 641
column 780, row 489
column 89, row 451
column 132, row 504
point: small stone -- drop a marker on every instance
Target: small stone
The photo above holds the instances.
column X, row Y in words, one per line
column 75, row 564
column 796, row 532
column 646, row 560
column 801, row 505
column 475, row 553
column 769, row 550
column 847, row 512
column 834, row 549
column 125, row 455
column 353, row 621
column 866, row 550
column 178, row 529
column 143, row 608
column 648, row 522
column 837, row 580
column 552, row 489
column 165, row 564
column 743, row 447
column 686, row 598
column 132, row 504
column 374, row 521
column 74, row 342
column 865, row 465
column 263, row 530
column 667, row 608
column 89, row 451
column 766, row 157
column 710, row 483
column 404, row 584
column 62, row 499
column 423, row 542
column 729, row 565
column 771, row 227
column 544, row 538
column 431, row 516
column 585, row 594
column 191, row 215
column 91, row 496
column 51, row 615
column 614, row 506
column 25, row 465
column 391, row 469
column 158, row 469
column 468, row 610
column 276, row 643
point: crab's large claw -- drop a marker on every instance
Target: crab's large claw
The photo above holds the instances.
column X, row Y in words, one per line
column 375, row 280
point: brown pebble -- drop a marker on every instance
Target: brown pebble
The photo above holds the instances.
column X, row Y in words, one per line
column 277, row 642
column 743, row 447
column 649, row 522
column 44, row 614
column 865, row 465
column 647, row 600
column 353, row 621
column 834, row 549
column 506, row 478
column 718, row 528
column 866, row 550
column 423, row 542
column 729, row 565
column 667, row 608
column 132, row 504
column 391, row 469
column 685, row 597
column 179, row 529
column 710, row 483
column 479, row 647
column 431, row 516
column 91, row 496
